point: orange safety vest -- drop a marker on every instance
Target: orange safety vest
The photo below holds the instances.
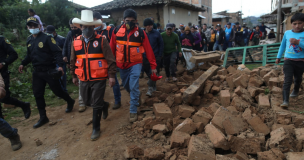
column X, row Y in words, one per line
column 128, row 48
column 90, row 62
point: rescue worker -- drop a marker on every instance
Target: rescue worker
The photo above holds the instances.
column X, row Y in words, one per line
column 60, row 42
column 5, row 129
column 44, row 54
column 92, row 61
column 7, row 56
column 128, row 43
column 106, row 31
column 157, row 44
column 238, row 30
column 66, row 52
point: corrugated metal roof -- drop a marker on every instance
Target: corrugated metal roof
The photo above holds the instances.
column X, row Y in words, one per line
column 218, row 16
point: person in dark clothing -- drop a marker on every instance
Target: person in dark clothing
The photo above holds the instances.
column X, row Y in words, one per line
column 239, row 41
column 60, row 42
column 245, row 35
column 107, row 31
column 187, row 39
column 204, row 41
column 159, row 28
column 44, row 54
column 256, row 36
column 212, row 40
column 271, row 34
column 197, row 38
column 157, row 44
column 154, row 24
column 219, row 38
column 7, row 56
column 263, row 30
column 66, row 52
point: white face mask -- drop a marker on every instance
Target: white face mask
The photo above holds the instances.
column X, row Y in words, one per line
column 34, row 31
column 97, row 28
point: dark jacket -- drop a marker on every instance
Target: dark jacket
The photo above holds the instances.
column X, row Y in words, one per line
column 204, row 39
column 238, row 34
column 245, row 33
column 43, row 52
column 6, row 49
column 156, row 42
column 66, row 51
column 189, row 37
column 220, row 39
column 271, row 35
column 107, row 31
column 60, row 40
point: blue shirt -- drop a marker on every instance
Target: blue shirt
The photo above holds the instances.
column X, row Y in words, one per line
column 292, row 51
column 156, row 42
column 228, row 33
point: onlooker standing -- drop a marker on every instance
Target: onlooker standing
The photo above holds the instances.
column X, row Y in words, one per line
column 219, row 38
column 293, row 47
column 263, row 30
column 212, row 40
column 187, row 39
column 256, row 36
column 208, row 35
column 159, row 28
column 182, row 30
column 60, row 42
column 32, row 13
column 204, row 41
column 197, row 38
column 229, row 36
column 245, row 35
column 271, row 34
column 154, row 24
column 157, row 44
column 170, row 56
column 239, row 41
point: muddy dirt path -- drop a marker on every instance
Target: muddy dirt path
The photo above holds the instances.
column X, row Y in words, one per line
column 69, row 138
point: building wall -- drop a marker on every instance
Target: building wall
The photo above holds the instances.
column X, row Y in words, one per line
column 180, row 16
column 222, row 22
column 142, row 13
column 208, row 7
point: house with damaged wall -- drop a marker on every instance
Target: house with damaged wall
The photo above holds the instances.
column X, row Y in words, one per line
column 163, row 11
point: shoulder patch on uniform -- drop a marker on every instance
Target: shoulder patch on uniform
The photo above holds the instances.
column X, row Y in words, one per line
column 53, row 40
column 29, row 45
column 7, row 41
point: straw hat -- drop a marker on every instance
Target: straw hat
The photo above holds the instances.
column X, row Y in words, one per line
column 86, row 19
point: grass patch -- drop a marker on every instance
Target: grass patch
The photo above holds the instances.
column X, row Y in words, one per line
column 253, row 66
column 14, row 115
column 267, row 91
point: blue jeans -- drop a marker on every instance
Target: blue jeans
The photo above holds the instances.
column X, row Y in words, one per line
column 216, row 45
column 116, row 91
column 130, row 80
column 205, row 48
column 245, row 41
column 7, row 130
column 227, row 44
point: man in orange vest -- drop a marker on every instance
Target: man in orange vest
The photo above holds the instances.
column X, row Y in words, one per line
column 91, row 61
column 128, row 44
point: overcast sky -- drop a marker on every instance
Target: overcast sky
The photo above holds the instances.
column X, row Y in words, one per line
column 249, row 7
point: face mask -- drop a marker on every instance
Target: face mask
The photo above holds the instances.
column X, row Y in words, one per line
column 97, row 28
column 34, row 31
column 130, row 25
column 76, row 31
column 88, row 32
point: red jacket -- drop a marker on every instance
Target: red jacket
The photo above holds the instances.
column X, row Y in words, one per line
column 145, row 44
column 255, row 32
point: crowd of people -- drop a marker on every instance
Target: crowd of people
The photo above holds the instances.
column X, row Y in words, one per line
column 95, row 52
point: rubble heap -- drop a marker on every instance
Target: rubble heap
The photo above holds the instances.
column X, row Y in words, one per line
column 225, row 114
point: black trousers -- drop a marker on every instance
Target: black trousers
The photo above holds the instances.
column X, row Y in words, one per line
column 8, row 99
column 92, row 93
column 170, row 64
column 40, row 79
column 292, row 69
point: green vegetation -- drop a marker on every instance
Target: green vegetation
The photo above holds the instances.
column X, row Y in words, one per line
column 13, row 15
column 267, row 91
column 253, row 66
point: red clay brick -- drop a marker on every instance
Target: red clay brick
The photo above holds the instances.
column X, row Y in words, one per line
column 219, row 116
column 133, row 151
column 178, row 99
column 185, row 111
column 258, row 125
column 208, row 86
column 241, row 81
column 248, row 145
column 264, row 101
column 161, row 128
column 162, row 110
column 154, row 153
column 215, row 90
column 295, row 155
column 179, row 139
column 222, row 72
column 299, row 134
column 231, row 69
column 234, row 125
column 283, row 118
column 280, row 137
column 186, row 126
column 276, row 90
column 273, row 82
column 241, row 156
column 255, row 81
column 201, row 116
column 217, row 138
column 200, row 148
column 225, row 98
column 240, row 104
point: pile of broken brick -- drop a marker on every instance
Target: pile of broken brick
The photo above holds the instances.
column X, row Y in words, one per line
column 244, row 120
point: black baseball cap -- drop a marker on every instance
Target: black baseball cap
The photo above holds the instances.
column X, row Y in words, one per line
column 228, row 23
column 237, row 23
column 218, row 25
column 169, row 25
column 50, row 29
column 32, row 20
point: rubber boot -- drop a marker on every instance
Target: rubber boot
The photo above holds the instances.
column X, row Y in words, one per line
column 70, row 106
column 15, row 142
column 105, row 110
column 116, row 106
column 43, row 119
column 25, row 106
column 295, row 91
column 96, row 124
column 285, row 103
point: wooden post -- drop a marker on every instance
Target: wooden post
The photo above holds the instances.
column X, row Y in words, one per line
column 279, row 17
